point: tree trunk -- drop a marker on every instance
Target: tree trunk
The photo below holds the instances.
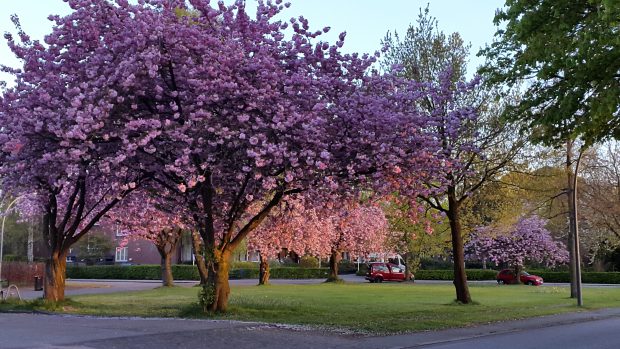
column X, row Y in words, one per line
column 412, row 264
column 166, row 270
column 460, row 278
column 571, row 221
column 55, row 273
column 517, row 270
column 408, row 272
column 216, row 291
column 263, row 277
column 200, row 259
column 333, row 267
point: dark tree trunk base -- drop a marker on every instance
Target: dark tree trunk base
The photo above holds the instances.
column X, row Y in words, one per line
column 333, row 267
column 460, row 277
column 263, row 277
column 55, row 274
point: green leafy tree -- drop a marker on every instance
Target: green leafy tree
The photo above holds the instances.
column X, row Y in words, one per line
column 569, row 52
column 415, row 232
column 94, row 247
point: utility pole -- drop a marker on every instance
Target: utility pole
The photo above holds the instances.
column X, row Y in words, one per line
column 576, row 230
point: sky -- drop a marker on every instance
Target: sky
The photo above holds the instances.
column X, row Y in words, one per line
column 365, row 21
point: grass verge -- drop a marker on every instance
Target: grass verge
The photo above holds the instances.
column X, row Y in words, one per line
column 371, row 308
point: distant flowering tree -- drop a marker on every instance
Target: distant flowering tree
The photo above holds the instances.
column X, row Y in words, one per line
column 282, row 230
column 358, row 229
column 345, row 226
column 528, row 241
column 148, row 217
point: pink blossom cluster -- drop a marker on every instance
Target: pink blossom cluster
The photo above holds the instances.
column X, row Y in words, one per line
column 528, row 241
column 358, row 229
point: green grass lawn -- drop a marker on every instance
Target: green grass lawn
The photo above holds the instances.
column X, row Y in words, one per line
column 374, row 308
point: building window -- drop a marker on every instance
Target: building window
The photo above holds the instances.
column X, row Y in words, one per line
column 121, row 254
column 119, row 231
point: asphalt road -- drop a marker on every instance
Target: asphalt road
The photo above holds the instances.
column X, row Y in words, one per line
column 600, row 334
column 591, row 330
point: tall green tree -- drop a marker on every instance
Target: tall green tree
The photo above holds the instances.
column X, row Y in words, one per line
column 415, row 233
column 569, row 52
column 94, row 248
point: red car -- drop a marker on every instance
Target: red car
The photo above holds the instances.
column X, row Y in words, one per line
column 379, row 272
column 507, row 276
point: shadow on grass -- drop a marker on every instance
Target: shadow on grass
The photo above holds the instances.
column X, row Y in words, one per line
column 459, row 303
column 193, row 311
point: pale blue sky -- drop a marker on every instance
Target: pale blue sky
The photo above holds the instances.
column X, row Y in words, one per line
column 365, row 21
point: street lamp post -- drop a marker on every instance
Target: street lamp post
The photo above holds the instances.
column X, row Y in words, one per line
column 2, row 232
column 576, row 231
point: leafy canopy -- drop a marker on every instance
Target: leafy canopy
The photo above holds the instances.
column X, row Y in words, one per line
column 569, row 52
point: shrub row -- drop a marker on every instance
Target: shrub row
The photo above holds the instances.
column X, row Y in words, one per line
column 587, row 277
column 190, row 272
column 548, row 276
column 184, row 272
column 281, row 273
column 472, row 274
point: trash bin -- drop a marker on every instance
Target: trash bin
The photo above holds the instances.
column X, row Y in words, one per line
column 38, row 283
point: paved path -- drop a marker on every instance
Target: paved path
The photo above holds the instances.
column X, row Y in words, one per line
column 598, row 330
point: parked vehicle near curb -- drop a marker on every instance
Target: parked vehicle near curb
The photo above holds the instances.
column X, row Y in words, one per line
column 507, row 276
column 379, row 272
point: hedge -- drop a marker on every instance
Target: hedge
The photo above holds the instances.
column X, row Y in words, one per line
column 587, row 277
column 548, row 276
column 184, row 272
column 472, row 274
column 190, row 272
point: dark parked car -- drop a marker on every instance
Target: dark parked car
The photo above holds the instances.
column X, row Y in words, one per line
column 379, row 272
column 507, row 276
